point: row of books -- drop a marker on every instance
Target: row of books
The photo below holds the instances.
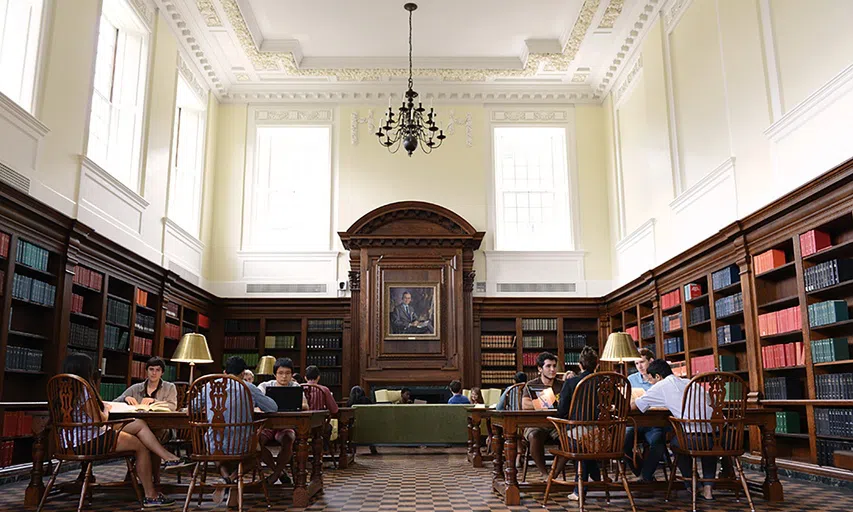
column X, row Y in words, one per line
column 111, row 390
column 537, row 341
column 634, row 332
column 22, row 358
column 539, row 324
column 496, row 376
column 672, row 322
column 76, row 303
column 574, row 341
column 783, row 388
column 826, row 449
column 241, row 342
column 144, row 322
column 17, row 423
column 699, row 314
column 788, row 422
column 326, row 324
column 833, row 422
column 673, row 345
column 692, row 291
column 671, row 299
column 83, row 336
column 501, row 359
column 828, row 350
column 783, row 356
column 142, row 346
column 837, row 386
column 730, row 305
column 768, row 260
column 251, row 358
column 142, row 297
column 497, row 341
column 531, row 374
column 32, row 255
column 331, row 378
column 172, row 331
column 323, row 342
column 704, row 364
column 118, row 312
column 280, row 341
column 828, row 273
column 827, row 312
column 171, row 373
column 32, row 290
column 116, row 338
column 647, row 329
column 725, row 277
column 323, row 360
column 779, row 322
column 729, row 334
column 172, row 310
column 679, row 368
column 7, row 453
column 5, row 240
column 138, row 370
column 88, row 278
column 571, row 358
column 529, row 358
column 814, row 241
column 238, row 325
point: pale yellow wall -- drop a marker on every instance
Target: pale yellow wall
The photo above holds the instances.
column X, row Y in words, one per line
column 814, row 42
column 631, row 125
column 592, row 151
column 207, row 207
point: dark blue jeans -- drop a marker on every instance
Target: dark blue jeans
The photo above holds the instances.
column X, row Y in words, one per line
column 685, row 463
column 656, row 438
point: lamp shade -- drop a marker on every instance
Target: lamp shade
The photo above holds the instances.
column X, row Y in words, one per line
column 265, row 366
column 620, row 347
column 192, row 349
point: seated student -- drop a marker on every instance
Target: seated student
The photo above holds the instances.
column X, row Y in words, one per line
column 458, row 397
column 546, row 363
column 283, row 371
column 668, row 391
column 588, row 361
column 248, row 376
column 312, row 374
column 476, row 396
column 134, row 437
column 406, row 396
column 357, row 396
column 654, row 436
column 518, row 379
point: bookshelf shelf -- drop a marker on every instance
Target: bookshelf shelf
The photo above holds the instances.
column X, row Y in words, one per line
column 781, row 337
column 29, row 335
column 785, row 368
column 114, row 351
column 735, row 345
column 782, row 303
column 834, row 363
column 779, row 273
column 118, row 298
column 86, row 289
column 837, row 438
column 700, row 350
column 674, row 354
column 672, row 309
column 674, row 331
column 120, row 326
column 727, row 290
column 834, row 326
column 843, row 249
column 146, row 309
column 817, row 403
column 24, row 302
column 650, row 316
column 113, row 377
column 836, row 290
column 699, row 300
column 792, row 436
column 83, row 316
column 34, row 271
column 25, row 372
column 733, row 316
column 704, row 325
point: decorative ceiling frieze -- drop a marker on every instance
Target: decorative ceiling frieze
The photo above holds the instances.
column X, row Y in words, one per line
column 208, row 12
column 614, row 9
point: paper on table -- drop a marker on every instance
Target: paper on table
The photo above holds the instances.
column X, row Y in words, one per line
column 124, row 407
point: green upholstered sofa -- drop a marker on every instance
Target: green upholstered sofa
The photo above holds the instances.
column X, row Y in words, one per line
column 414, row 424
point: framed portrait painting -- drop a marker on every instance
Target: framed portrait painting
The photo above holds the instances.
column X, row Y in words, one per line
column 411, row 311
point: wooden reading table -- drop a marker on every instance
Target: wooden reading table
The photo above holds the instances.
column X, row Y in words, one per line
column 505, row 425
column 346, row 418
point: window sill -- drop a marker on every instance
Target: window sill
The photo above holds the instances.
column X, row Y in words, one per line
column 181, row 233
column 127, row 194
column 21, row 118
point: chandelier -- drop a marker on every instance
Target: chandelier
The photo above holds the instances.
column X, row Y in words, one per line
column 411, row 128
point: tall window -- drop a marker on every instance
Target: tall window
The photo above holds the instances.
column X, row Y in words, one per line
column 531, row 189
column 115, row 126
column 20, row 28
column 185, row 184
column 290, row 194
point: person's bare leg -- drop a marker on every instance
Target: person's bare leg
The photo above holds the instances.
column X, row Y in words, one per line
column 267, row 456
column 127, row 442
column 537, row 451
column 286, row 451
column 139, row 429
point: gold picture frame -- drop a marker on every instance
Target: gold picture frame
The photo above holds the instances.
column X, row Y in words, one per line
column 417, row 319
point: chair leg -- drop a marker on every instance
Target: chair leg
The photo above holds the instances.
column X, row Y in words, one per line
column 606, row 480
column 551, row 476
column 49, row 486
column 85, row 487
column 672, row 476
column 621, row 467
column 240, row 487
column 693, row 479
column 524, row 461
column 134, row 480
column 743, row 482
column 192, row 485
column 203, row 481
column 263, row 479
column 580, row 484
column 737, row 491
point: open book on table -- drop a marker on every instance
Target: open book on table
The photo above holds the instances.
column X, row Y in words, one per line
column 153, row 407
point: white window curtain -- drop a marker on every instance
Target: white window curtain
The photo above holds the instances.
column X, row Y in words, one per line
column 20, row 30
column 115, row 126
column 187, row 160
column 531, row 189
column 290, row 203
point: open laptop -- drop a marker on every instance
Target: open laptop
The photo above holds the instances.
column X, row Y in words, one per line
column 287, row 398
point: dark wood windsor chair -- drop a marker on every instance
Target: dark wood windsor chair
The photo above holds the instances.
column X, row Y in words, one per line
column 316, row 398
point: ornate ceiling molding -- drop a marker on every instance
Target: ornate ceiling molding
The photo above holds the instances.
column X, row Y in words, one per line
column 189, row 42
column 355, row 120
column 208, row 12
column 199, row 88
column 552, row 115
column 146, row 11
column 282, row 114
column 628, row 80
column 614, row 9
column 467, row 122
column 672, row 13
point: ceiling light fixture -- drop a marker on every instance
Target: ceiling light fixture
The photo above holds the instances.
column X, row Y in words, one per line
column 410, row 129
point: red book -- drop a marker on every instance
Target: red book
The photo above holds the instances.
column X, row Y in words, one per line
column 25, row 425
column 800, row 348
column 814, row 241
column 204, row 321
column 4, row 245
column 768, row 260
column 790, row 354
column 765, row 357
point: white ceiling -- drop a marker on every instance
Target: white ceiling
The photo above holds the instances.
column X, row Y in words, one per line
column 494, row 50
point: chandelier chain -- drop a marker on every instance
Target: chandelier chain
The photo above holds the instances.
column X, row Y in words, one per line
column 411, row 83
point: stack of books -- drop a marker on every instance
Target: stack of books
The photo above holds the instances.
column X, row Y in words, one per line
column 828, row 273
column 323, row 360
column 814, row 241
column 838, row 386
column 788, row 422
column 699, row 314
column 32, row 256
column 828, row 350
column 572, row 358
column 5, row 239
column 118, row 312
column 88, row 278
column 728, row 306
column 679, row 369
column 833, row 422
column 17, row 423
column 32, row 290
column 768, row 260
column 672, row 322
column 634, row 331
column 529, row 358
column 172, row 331
column 171, row 373
column 332, row 378
column 144, row 323
column 539, row 324
column 142, row 298
column 673, row 345
column 493, row 359
column 76, row 303
column 497, row 341
column 827, row 312
column 691, row 291
column 574, row 341
column 203, row 321
column 22, row 358
column 497, row 376
column 728, row 363
column 701, row 364
column 116, row 338
column 251, row 358
column 142, row 346
column 779, row 322
column 83, row 336
column 783, row 388
column 323, row 342
column 172, row 310
column 671, row 299
column 826, row 449
column 530, row 341
column 783, row 356
column 647, row 329
column 110, row 391
column 729, row 334
column 240, row 342
column 286, row 341
column 725, row 277
column 330, row 324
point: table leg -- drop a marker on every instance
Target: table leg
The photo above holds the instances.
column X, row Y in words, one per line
column 498, row 461
column 300, row 473
column 343, row 440
column 477, row 455
column 470, row 422
column 772, row 486
column 317, row 466
column 35, row 489
column 512, row 496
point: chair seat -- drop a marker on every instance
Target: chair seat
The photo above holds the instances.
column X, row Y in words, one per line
column 586, row 456
column 90, row 458
column 706, row 453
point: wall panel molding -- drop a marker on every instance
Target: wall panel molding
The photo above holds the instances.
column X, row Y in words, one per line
column 636, row 252
column 20, row 136
column 706, row 206
column 529, row 267
column 181, row 247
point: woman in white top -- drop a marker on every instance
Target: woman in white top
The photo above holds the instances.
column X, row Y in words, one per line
column 135, row 437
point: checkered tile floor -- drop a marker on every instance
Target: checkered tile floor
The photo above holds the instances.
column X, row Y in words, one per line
column 441, row 480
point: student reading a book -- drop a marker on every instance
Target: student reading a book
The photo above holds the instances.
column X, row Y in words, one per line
column 654, row 436
column 153, row 388
column 667, row 391
column 283, row 372
column 535, row 397
column 134, row 437
column 458, row 397
column 406, row 396
column 588, row 361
